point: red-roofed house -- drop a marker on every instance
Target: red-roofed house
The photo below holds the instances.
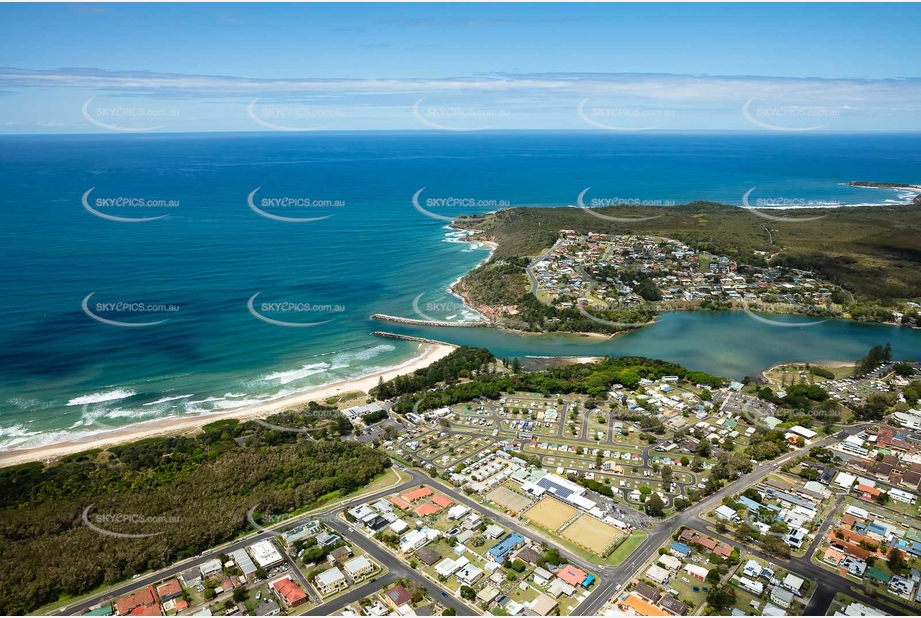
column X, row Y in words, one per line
column 397, row 502
column 442, row 501
column 571, row 575
column 139, row 603
column 867, row 492
column 635, row 606
column 417, row 494
column 426, row 509
column 169, row 590
column 398, row 595
column 722, row 550
column 853, row 537
column 849, row 520
column 289, row 592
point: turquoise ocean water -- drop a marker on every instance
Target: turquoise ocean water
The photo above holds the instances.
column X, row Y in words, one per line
column 66, row 374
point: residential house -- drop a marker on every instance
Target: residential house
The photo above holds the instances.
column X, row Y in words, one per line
column 673, row 606
column 398, row 596
column 289, row 592
column 169, row 590
column 635, row 606
column 330, row 581
column 191, row 577
column 358, row 567
column 141, row 602
column 781, row 598
column 657, row 574
column 647, row 592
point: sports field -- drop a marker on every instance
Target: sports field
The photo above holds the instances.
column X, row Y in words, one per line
column 509, row 499
column 592, row 534
column 550, row 513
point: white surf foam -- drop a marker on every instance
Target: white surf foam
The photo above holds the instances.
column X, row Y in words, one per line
column 284, row 377
column 120, row 393
column 168, row 399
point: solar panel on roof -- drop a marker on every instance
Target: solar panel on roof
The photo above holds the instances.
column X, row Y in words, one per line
column 557, row 489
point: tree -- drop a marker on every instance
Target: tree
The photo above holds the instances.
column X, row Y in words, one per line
column 551, row 556
column 721, row 597
column 655, row 506
column 516, row 365
column 467, row 592
column 667, row 475
column 697, row 464
column 779, row 527
column 775, row 546
column 743, row 532
column 240, row 594
column 896, row 560
column 713, row 576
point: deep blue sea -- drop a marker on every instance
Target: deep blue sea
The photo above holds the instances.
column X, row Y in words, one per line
column 195, row 266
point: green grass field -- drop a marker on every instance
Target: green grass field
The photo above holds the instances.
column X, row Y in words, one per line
column 625, row 549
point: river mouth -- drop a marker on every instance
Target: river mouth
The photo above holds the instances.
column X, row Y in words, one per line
column 725, row 343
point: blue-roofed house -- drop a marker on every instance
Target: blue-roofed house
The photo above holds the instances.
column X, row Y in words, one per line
column 750, row 504
column 914, row 549
column 877, row 529
column 680, row 550
column 500, row 550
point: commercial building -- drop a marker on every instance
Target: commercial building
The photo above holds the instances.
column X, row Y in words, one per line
column 265, row 555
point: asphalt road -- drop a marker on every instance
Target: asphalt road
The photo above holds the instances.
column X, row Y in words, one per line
column 608, row 578
column 666, row 528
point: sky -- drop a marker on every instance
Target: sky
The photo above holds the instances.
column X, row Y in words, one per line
column 148, row 68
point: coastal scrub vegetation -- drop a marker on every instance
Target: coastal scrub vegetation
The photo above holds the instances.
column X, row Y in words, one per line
column 190, row 493
column 592, row 379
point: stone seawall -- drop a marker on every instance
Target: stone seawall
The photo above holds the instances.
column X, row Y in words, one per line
column 414, row 322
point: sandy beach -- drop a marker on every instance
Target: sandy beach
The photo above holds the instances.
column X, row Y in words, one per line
column 172, row 426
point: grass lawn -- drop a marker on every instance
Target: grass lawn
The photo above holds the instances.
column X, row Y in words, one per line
column 625, row 549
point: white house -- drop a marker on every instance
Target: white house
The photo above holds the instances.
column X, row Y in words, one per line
column 793, row 583
column 755, row 587
column 413, row 540
column 469, row 574
column 670, row 562
column 752, row 569
column 358, row 567
column 399, row 526
column 657, row 574
column 330, row 581
column 781, row 598
column 727, row 513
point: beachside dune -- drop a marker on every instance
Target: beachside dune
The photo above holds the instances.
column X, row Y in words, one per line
column 178, row 425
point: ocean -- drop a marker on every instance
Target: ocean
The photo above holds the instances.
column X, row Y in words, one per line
column 227, row 296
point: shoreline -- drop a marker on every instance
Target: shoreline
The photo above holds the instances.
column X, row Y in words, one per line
column 179, row 425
